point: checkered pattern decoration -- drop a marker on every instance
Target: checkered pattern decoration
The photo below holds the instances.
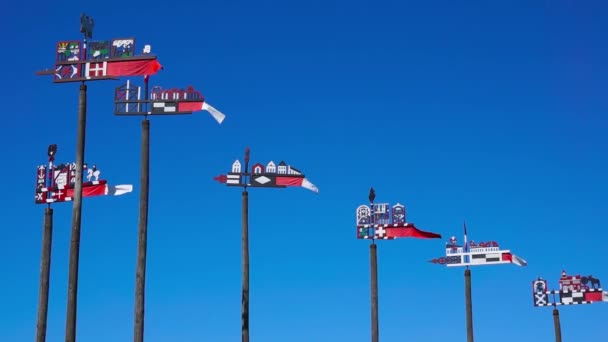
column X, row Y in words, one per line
column 574, row 297
column 568, row 298
column 164, row 107
column 572, row 292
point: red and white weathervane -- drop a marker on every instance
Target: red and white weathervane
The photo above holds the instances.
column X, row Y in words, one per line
column 55, row 182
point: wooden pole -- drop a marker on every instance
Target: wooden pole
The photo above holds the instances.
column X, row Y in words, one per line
column 245, row 261
column 468, row 304
column 45, row 270
column 140, row 272
column 374, row 288
column 70, row 326
column 557, row 326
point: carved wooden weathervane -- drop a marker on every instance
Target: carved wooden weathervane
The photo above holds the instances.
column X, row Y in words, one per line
column 90, row 60
column 573, row 290
column 476, row 254
column 55, row 182
column 268, row 175
column 132, row 100
column 381, row 221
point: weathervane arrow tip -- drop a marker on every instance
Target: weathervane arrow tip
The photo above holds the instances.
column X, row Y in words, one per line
column 220, row 178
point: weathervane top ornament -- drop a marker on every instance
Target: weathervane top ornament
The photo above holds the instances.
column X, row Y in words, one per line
column 86, row 25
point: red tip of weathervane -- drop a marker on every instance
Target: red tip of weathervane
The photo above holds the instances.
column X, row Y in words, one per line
column 220, row 178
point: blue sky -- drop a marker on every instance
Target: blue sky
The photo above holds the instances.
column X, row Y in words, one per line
column 490, row 112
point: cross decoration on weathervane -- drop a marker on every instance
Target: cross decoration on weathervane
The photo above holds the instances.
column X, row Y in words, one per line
column 270, row 175
column 132, row 100
column 80, row 61
column 386, row 222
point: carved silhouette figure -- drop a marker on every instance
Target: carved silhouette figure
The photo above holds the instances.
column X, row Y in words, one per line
column 594, row 283
column 540, row 287
column 93, row 173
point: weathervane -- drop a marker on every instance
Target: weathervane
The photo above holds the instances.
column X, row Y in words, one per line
column 474, row 254
column 133, row 100
column 381, row 221
column 270, row 175
column 83, row 61
column 80, row 61
column 573, row 290
column 56, row 182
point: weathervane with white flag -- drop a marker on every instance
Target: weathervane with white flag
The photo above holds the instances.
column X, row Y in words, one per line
column 268, row 175
column 471, row 253
column 56, row 182
column 130, row 99
column 133, row 100
column 573, row 290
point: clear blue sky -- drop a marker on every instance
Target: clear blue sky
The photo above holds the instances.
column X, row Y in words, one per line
column 493, row 112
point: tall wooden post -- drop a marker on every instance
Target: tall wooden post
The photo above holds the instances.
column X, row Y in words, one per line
column 45, row 270
column 142, row 243
column 557, row 326
column 374, row 289
column 70, row 326
column 468, row 304
column 245, row 261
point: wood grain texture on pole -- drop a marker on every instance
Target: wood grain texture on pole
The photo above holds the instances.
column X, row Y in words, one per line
column 557, row 326
column 70, row 325
column 45, row 271
column 374, row 290
column 142, row 241
column 245, row 261
column 468, row 304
